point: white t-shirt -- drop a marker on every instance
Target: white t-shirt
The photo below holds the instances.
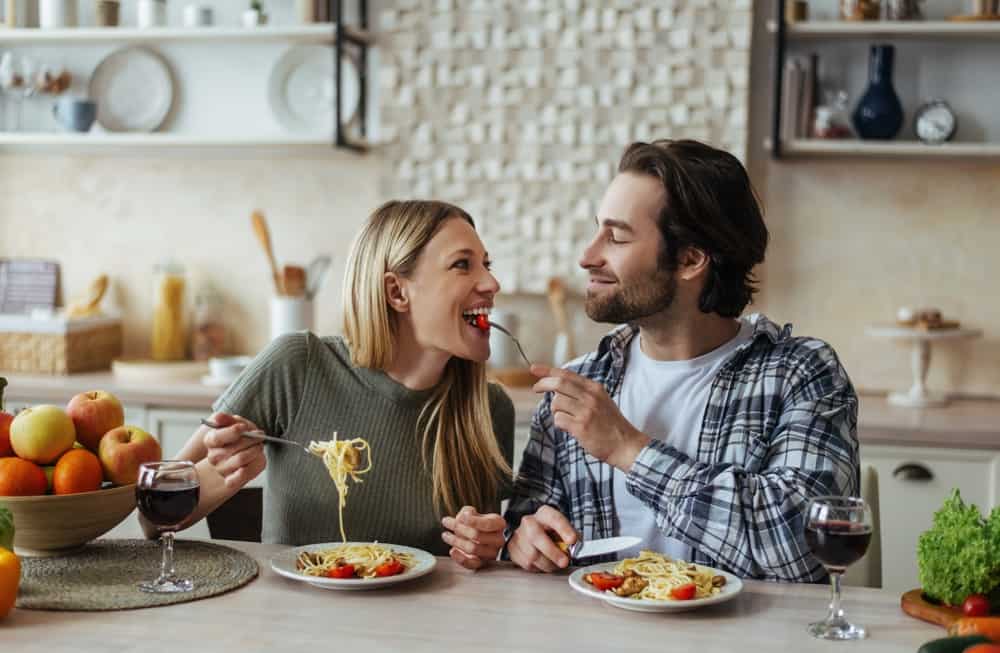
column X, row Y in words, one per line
column 666, row 400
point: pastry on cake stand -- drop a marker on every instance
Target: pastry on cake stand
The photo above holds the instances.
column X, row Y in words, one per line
column 921, row 329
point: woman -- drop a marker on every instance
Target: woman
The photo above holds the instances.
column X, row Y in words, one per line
column 408, row 377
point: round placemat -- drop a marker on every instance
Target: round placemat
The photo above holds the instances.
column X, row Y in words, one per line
column 103, row 575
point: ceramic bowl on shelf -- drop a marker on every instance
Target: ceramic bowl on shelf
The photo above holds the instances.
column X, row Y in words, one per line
column 47, row 525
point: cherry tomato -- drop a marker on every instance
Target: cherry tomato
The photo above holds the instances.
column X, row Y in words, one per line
column 683, row 592
column 390, row 568
column 343, row 571
column 976, row 605
column 482, row 322
column 604, row 581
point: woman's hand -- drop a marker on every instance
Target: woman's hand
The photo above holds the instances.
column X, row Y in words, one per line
column 474, row 539
column 237, row 459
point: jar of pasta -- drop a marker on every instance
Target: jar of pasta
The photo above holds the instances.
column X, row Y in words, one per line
column 169, row 335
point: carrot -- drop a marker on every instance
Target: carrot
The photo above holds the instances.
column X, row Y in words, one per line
column 986, row 626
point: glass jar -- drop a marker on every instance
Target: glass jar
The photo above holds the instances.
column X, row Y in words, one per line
column 169, row 341
column 208, row 333
column 860, row 9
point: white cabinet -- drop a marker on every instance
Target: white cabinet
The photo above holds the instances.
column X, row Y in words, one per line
column 913, row 483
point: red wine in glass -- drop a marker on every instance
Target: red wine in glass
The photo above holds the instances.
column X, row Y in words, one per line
column 167, row 493
column 167, row 504
column 838, row 544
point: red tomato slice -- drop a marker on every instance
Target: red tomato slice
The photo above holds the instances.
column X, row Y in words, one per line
column 684, row 592
column 390, row 568
column 604, row 581
column 343, row 571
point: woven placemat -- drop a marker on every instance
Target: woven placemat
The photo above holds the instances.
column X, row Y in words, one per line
column 103, row 575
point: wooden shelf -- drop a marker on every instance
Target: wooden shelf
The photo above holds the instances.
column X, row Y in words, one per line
column 875, row 149
column 313, row 33
column 66, row 142
column 989, row 29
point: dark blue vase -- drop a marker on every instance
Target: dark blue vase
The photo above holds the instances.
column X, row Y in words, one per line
column 879, row 115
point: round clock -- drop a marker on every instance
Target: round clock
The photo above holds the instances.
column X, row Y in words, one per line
column 935, row 122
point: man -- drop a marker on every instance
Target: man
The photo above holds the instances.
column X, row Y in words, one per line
column 702, row 432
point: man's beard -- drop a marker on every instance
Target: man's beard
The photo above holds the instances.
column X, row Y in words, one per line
column 635, row 301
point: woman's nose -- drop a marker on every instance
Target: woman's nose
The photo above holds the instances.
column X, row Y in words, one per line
column 488, row 283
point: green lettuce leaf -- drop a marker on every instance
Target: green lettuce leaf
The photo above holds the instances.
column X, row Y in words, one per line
column 960, row 554
column 6, row 529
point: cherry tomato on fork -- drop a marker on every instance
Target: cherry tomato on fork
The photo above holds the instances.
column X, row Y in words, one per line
column 482, row 322
column 683, row 592
column 343, row 571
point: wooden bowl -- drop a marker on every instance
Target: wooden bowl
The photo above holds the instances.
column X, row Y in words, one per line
column 49, row 525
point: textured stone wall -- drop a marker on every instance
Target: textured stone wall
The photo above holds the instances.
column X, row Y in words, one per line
column 518, row 110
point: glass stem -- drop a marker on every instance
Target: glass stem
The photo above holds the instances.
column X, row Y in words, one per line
column 167, row 565
column 836, row 612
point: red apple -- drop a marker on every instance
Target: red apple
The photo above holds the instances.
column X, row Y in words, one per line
column 94, row 413
column 123, row 449
column 5, row 420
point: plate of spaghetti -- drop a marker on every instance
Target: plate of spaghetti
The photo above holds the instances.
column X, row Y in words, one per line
column 653, row 582
column 353, row 565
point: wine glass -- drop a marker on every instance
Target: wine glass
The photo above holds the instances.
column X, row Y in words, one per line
column 167, row 493
column 838, row 531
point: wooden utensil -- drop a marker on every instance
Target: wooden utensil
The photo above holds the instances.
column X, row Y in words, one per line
column 564, row 349
column 264, row 237
column 293, row 280
column 914, row 604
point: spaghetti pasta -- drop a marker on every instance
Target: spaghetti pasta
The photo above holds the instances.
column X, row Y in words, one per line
column 658, row 577
column 365, row 561
column 342, row 459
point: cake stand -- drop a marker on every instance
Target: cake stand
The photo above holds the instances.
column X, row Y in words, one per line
column 920, row 360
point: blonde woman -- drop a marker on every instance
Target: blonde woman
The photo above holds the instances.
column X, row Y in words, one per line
column 408, row 376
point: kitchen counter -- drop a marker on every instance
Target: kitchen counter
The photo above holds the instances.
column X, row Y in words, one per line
column 498, row 609
column 965, row 423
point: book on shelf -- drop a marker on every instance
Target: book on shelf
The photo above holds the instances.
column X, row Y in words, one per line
column 800, row 91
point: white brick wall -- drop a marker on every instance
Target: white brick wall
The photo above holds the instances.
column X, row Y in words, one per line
column 518, row 110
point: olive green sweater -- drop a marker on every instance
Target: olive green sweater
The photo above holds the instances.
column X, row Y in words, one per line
column 304, row 388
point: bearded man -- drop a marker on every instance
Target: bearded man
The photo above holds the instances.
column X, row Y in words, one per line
column 703, row 431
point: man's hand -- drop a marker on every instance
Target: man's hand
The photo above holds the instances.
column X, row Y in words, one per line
column 532, row 546
column 583, row 409
column 474, row 539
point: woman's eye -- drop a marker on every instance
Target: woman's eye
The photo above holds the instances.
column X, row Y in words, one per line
column 488, row 265
column 462, row 264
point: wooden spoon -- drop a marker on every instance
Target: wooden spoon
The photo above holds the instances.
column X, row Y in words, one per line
column 264, row 237
column 294, row 279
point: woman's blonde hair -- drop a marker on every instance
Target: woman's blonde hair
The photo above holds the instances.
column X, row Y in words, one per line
column 459, row 445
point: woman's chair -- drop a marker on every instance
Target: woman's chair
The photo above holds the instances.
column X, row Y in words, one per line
column 239, row 518
column 867, row 572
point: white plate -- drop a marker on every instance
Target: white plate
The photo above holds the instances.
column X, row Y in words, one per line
column 302, row 86
column 732, row 587
column 134, row 90
column 284, row 563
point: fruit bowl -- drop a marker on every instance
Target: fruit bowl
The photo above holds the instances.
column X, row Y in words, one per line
column 47, row 525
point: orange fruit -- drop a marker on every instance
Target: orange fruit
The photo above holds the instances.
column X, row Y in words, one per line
column 77, row 470
column 10, row 578
column 19, row 477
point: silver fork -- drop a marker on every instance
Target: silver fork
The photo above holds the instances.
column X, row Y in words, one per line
column 511, row 336
column 260, row 435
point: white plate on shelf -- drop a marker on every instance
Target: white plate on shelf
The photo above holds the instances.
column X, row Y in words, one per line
column 283, row 563
column 134, row 90
column 729, row 591
column 302, row 86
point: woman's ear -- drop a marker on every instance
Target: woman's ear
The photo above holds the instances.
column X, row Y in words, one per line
column 395, row 292
column 692, row 263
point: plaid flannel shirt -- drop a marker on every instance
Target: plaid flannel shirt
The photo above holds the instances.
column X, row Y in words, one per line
column 780, row 427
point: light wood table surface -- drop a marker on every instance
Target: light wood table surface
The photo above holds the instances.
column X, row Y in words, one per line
column 498, row 609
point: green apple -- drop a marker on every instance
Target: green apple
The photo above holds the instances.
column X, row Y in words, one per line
column 42, row 433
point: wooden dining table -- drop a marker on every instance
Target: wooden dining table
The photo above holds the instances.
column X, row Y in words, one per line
column 500, row 608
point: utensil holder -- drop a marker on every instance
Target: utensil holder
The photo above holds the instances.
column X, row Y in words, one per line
column 291, row 314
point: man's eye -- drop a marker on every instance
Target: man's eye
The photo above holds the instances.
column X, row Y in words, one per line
column 612, row 239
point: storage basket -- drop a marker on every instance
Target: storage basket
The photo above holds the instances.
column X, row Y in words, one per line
column 58, row 345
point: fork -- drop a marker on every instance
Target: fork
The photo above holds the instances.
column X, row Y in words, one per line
column 511, row 336
column 260, row 435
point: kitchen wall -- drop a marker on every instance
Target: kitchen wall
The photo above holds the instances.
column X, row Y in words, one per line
column 853, row 239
